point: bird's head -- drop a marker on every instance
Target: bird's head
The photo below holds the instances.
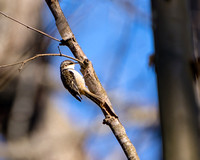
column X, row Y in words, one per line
column 67, row 64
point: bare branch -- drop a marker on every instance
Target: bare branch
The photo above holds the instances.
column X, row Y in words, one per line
column 120, row 134
column 36, row 56
column 87, row 69
column 29, row 27
column 92, row 80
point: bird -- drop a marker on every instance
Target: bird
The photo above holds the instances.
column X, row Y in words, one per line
column 73, row 81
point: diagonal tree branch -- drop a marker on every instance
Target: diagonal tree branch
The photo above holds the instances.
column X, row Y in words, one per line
column 92, row 80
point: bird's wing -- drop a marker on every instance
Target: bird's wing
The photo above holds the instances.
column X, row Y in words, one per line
column 70, row 83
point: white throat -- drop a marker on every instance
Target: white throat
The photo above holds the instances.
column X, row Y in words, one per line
column 71, row 66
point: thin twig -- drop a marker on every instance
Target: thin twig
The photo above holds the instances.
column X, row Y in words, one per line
column 36, row 56
column 29, row 27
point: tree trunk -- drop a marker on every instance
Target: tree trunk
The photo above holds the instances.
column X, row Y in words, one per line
column 178, row 107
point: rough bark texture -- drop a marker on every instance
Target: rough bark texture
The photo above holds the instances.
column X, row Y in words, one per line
column 178, row 107
column 91, row 79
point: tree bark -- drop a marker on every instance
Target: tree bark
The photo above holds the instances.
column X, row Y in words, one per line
column 178, row 107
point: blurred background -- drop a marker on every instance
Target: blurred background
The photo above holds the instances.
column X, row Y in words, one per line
column 39, row 119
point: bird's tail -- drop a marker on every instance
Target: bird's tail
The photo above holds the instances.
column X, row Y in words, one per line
column 96, row 99
column 92, row 96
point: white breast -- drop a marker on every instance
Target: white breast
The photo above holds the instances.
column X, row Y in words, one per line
column 79, row 79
